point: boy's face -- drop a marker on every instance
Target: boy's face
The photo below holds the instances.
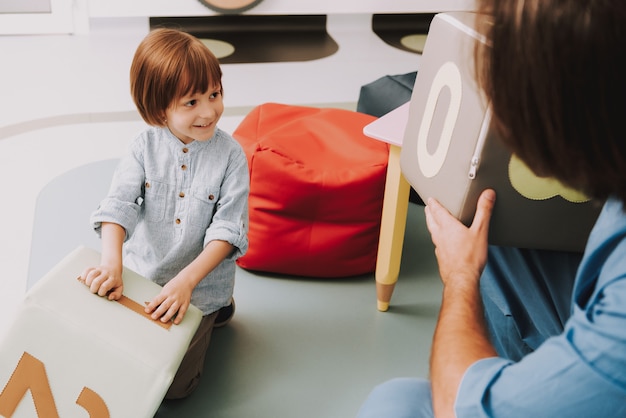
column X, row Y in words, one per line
column 195, row 116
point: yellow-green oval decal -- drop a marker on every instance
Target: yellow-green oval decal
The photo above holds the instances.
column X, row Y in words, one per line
column 529, row 185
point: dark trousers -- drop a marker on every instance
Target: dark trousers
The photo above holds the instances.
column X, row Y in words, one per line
column 190, row 370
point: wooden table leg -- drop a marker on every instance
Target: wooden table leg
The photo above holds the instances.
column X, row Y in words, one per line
column 393, row 225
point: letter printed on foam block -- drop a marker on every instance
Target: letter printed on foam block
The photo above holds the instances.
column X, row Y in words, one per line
column 70, row 353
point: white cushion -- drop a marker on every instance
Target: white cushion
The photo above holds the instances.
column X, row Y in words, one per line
column 121, row 361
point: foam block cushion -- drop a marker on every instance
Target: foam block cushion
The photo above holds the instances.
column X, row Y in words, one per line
column 78, row 354
column 316, row 190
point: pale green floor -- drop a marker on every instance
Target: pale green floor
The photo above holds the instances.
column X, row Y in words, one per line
column 307, row 348
column 297, row 347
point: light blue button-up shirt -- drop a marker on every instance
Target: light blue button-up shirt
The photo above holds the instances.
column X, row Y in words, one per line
column 581, row 372
column 173, row 199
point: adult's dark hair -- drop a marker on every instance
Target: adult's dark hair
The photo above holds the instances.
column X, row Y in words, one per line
column 555, row 73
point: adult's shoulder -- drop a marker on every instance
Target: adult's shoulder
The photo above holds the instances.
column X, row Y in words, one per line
column 611, row 223
column 606, row 247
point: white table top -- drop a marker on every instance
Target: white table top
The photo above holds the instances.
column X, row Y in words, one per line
column 389, row 128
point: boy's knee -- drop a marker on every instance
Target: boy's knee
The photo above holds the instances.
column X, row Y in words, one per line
column 180, row 390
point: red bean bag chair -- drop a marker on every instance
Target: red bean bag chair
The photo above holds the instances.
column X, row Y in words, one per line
column 316, row 191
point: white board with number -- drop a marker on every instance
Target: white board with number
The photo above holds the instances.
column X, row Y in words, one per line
column 451, row 152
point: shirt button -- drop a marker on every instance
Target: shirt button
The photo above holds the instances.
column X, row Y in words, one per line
column 147, row 185
column 211, row 197
column 185, row 150
column 181, row 194
column 184, row 167
column 177, row 221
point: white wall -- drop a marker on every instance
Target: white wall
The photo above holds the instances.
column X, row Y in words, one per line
column 25, row 6
column 73, row 16
column 118, row 8
column 19, row 20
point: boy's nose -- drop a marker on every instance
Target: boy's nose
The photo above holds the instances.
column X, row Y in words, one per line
column 207, row 110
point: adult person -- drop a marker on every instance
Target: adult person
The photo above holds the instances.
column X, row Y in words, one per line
column 529, row 333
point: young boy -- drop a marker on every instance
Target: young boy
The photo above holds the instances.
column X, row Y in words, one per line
column 177, row 211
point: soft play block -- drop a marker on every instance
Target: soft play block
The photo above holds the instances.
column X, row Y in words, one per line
column 316, row 190
column 451, row 152
column 70, row 353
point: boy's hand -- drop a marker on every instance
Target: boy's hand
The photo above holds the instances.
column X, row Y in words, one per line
column 172, row 302
column 104, row 281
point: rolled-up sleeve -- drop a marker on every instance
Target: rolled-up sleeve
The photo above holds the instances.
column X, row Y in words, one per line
column 122, row 204
column 580, row 373
column 115, row 211
column 230, row 221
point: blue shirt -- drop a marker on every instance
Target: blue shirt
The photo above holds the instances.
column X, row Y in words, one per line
column 582, row 371
column 173, row 199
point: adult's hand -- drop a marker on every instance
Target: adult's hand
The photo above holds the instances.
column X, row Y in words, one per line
column 461, row 251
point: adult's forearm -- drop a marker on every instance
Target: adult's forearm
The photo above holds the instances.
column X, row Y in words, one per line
column 460, row 339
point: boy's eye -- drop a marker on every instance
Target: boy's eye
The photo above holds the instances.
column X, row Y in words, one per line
column 191, row 102
column 215, row 94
